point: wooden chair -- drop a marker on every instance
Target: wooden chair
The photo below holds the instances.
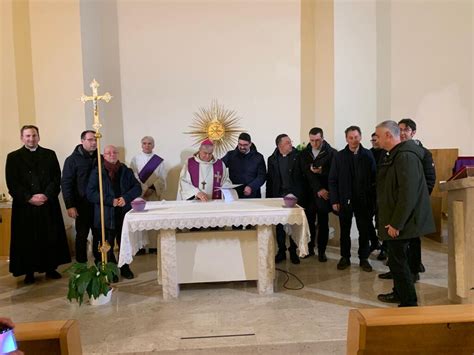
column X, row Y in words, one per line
column 49, row 338
column 412, row 330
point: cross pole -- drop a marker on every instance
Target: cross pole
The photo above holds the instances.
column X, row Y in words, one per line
column 104, row 246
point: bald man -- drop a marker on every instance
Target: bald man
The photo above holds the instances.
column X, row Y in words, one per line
column 120, row 187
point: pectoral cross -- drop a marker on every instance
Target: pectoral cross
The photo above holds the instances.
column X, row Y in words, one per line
column 203, row 185
column 218, row 176
column 95, row 98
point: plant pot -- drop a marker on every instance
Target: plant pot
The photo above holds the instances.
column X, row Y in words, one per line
column 101, row 300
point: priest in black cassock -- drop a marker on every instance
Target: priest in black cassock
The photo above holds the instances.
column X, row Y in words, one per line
column 38, row 237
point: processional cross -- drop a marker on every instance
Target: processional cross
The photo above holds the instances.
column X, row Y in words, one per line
column 104, row 246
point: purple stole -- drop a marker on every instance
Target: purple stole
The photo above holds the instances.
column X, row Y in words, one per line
column 149, row 168
column 218, row 170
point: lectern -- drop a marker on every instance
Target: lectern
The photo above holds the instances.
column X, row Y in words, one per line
column 460, row 239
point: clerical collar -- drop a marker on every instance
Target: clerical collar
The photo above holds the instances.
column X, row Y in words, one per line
column 31, row 149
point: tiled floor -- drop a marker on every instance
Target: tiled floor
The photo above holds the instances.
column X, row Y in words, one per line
column 312, row 320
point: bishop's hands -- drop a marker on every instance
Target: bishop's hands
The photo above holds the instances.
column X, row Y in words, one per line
column 38, row 199
column 392, row 232
column 202, row 196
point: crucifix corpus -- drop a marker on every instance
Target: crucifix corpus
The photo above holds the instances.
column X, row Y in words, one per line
column 104, row 247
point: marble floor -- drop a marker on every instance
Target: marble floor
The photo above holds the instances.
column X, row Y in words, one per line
column 223, row 317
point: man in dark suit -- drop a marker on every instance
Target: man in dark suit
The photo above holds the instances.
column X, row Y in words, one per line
column 352, row 193
column 38, row 236
column 316, row 161
column 284, row 178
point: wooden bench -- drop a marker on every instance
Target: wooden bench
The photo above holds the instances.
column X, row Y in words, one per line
column 412, row 330
column 49, row 338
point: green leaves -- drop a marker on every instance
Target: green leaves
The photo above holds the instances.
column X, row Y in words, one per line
column 92, row 280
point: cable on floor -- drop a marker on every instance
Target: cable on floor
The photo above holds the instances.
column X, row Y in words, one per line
column 288, row 274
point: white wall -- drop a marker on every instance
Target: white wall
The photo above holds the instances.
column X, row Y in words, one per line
column 355, row 68
column 432, row 70
column 178, row 56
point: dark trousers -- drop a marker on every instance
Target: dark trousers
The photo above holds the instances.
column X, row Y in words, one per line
column 414, row 255
column 363, row 219
column 322, row 235
column 111, row 235
column 281, row 240
column 403, row 284
column 84, row 223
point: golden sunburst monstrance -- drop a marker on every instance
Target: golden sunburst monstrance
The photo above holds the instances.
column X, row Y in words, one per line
column 218, row 124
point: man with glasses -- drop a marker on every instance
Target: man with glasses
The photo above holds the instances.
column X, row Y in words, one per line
column 120, row 188
column 246, row 167
column 76, row 172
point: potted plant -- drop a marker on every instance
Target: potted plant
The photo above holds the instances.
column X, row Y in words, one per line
column 93, row 280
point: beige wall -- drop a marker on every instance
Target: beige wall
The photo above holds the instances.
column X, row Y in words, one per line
column 9, row 122
column 176, row 57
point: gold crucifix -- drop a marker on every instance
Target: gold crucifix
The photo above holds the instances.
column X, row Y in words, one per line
column 105, row 246
column 95, row 98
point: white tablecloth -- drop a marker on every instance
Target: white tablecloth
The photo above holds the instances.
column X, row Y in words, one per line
column 161, row 215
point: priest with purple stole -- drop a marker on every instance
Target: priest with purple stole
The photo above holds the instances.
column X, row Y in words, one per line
column 150, row 172
column 202, row 175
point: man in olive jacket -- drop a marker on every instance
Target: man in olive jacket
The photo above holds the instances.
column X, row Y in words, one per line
column 404, row 210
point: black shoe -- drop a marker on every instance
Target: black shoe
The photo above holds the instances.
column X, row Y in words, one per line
column 115, row 279
column 311, row 253
column 295, row 259
column 126, row 272
column 374, row 246
column 322, row 257
column 141, row 251
column 386, row 276
column 388, row 298
column 280, row 257
column 53, row 275
column 365, row 265
column 29, row 279
column 343, row 263
column 382, row 255
column 152, row 250
column 416, row 277
column 421, row 268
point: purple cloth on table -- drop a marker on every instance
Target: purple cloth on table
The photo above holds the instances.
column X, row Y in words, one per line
column 461, row 162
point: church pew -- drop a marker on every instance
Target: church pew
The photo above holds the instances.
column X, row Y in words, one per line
column 412, row 330
column 49, row 338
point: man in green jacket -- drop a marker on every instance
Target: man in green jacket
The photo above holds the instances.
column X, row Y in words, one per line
column 404, row 210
